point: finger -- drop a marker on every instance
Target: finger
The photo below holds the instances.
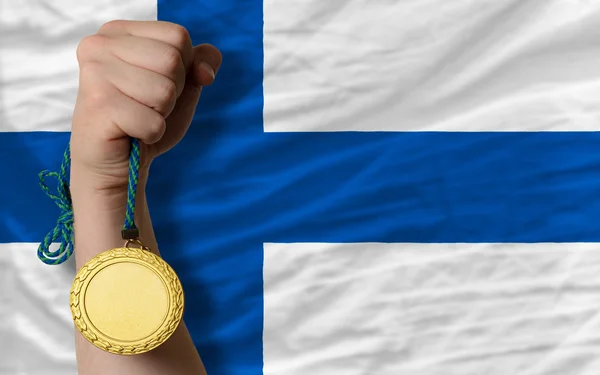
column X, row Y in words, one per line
column 180, row 118
column 150, row 54
column 144, row 86
column 167, row 32
column 179, row 121
column 132, row 118
column 207, row 61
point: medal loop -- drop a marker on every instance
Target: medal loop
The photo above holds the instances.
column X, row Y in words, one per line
column 136, row 241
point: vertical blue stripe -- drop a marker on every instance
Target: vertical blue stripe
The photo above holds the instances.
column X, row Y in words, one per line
column 223, row 284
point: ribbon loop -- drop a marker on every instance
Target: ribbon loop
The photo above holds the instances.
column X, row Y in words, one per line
column 63, row 230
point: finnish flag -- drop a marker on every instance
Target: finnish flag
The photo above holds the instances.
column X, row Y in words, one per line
column 369, row 187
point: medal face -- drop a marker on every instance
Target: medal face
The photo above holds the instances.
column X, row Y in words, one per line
column 126, row 301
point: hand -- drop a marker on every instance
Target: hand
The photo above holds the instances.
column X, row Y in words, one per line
column 138, row 79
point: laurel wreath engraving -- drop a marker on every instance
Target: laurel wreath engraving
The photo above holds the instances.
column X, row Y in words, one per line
column 176, row 298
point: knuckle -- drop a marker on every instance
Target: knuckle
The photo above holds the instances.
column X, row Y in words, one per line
column 90, row 46
column 94, row 91
column 96, row 99
column 167, row 91
column 111, row 25
column 89, row 73
column 180, row 35
column 155, row 128
column 165, row 96
column 172, row 60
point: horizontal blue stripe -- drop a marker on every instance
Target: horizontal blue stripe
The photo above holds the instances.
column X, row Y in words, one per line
column 344, row 187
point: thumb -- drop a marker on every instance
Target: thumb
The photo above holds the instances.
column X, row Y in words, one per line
column 202, row 71
column 207, row 60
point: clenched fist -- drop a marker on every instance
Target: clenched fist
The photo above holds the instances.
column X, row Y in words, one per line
column 138, row 79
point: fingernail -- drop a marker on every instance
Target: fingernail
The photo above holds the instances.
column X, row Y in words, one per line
column 208, row 69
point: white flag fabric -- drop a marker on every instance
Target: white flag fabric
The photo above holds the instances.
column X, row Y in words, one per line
column 371, row 188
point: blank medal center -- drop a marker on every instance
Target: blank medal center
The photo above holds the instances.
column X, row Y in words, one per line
column 126, row 301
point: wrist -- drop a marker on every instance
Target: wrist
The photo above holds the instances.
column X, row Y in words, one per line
column 99, row 214
column 106, row 192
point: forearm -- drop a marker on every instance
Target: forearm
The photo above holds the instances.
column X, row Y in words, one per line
column 99, row 219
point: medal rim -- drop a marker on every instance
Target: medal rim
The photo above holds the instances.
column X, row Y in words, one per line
column 133, row 255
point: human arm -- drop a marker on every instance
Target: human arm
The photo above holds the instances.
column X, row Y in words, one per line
column 143, row 80
column 99, row 220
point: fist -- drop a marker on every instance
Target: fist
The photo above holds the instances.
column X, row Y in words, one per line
column 139, row 79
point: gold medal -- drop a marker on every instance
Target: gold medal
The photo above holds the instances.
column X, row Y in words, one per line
column 127, row 300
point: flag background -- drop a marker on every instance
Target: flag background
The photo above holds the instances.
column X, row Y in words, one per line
column 368, row 188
